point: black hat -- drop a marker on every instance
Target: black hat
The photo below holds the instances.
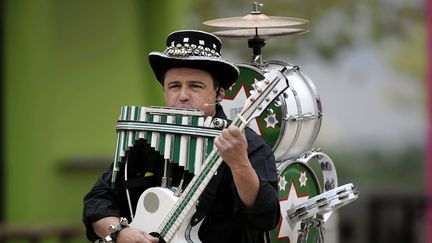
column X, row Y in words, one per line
column 194, row 49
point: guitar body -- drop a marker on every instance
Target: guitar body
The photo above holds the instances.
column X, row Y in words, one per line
column 153, row 207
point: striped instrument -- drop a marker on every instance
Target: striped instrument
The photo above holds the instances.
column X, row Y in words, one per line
column 182, row 136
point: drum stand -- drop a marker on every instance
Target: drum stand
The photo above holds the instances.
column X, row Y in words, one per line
column 306, row 225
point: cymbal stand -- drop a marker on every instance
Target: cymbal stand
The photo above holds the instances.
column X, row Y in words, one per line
column 256, row 43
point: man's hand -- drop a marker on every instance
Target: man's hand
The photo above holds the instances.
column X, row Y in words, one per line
column 232, row 146
column 131, row 235
column 126, row 235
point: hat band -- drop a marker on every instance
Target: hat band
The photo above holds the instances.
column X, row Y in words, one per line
column 186, row 50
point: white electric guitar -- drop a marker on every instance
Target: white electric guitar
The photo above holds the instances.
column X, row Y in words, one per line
column 167, row 216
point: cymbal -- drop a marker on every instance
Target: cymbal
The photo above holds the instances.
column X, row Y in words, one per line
column 259, row 32
column 254, row 20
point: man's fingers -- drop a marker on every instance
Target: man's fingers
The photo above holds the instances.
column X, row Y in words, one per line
column 150, row 238
column 234, row 131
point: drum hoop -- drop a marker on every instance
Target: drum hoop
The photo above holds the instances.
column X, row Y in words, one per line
column 312, row 87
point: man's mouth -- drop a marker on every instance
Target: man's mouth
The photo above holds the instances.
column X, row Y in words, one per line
column 187, row 106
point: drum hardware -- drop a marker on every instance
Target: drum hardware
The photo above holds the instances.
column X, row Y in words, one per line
column 301, row 117
column 326, row 165
column 329, row 184
column 308, row 224
column 322, row 204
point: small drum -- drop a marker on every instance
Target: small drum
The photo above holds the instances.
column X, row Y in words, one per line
column 298, row 183
column 291, row 123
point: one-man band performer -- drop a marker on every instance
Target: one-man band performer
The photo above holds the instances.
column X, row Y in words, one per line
column 244, row 205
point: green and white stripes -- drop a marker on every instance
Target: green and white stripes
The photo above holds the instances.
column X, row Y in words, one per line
column 183, row 136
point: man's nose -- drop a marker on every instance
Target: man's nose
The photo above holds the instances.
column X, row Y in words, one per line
column 184, row 94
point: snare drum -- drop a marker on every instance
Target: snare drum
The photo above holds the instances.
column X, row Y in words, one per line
column 291, row 123
column 297, row 184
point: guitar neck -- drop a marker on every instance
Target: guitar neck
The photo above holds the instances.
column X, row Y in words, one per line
column 193, row 191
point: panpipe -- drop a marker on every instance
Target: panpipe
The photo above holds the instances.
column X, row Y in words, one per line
column 182, row 136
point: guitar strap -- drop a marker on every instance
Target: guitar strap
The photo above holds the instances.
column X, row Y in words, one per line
column 206, row 199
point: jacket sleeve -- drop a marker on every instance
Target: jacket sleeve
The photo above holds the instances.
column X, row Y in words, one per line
column 103, row 201
column 100, row 202
column 264, row 214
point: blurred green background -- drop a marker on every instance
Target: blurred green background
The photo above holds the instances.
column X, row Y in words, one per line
column 69, row 65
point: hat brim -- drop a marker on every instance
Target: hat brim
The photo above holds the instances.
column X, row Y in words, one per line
column 224, row 71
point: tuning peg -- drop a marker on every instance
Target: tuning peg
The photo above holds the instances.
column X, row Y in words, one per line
column 257, row 84
column 278, row 102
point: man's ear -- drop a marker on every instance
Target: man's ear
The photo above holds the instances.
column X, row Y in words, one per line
column 221, row 94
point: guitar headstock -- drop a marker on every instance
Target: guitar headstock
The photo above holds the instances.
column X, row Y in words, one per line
column 265, row 91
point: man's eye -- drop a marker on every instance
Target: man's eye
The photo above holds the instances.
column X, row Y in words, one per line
column 173, row 86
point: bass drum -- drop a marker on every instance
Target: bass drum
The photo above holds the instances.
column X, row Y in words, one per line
column 291, row 123
column 297, row 184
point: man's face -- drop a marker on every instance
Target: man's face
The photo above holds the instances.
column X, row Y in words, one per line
column 190, row 88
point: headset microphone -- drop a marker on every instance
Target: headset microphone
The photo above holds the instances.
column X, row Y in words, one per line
column 207, row 104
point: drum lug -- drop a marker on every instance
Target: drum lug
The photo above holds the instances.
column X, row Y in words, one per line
column 325, row 165
column 329, row 185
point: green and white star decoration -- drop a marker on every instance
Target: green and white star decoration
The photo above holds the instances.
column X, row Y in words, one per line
column 297, row 183
column 268, row 125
